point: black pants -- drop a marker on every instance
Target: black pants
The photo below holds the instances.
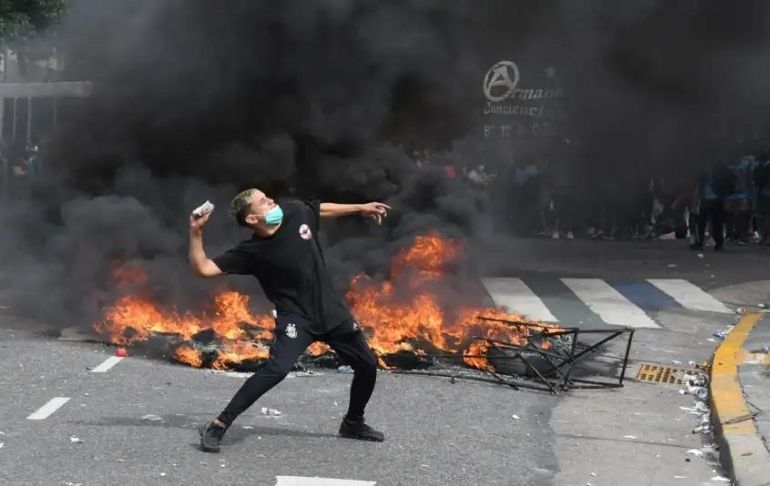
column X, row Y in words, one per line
column 292, row 337
column 714, row 211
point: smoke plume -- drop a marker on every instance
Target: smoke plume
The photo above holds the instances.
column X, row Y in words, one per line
column 194, row 100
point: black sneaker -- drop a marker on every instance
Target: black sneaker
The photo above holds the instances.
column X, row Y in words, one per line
column 211, row 435
column 357, row 429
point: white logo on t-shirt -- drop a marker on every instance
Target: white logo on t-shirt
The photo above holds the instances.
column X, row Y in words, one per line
column 291, row 331
column 304, row 232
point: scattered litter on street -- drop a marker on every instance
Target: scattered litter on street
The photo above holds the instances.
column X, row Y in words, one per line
column 75, row 440
column 2, row 444
column 247, row 427
column 680, row 477
column 162, row 474
column 270, row 411
column 121, row 352
column 722, row 333
column 629, row 437
column 345, row 369
column 593, row 474
column 302, row 374
column 515, row 417
column 720, row 479
column 152, row 418
column 695, row 452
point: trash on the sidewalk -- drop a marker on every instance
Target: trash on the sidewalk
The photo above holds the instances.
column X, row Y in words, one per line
column 2, row 444
column 121, row 352
column 593, row 474
column 629, row 437
column 722, row 333
column 345, row 369
column 699, row 391
column 720, row 479
column 676, row 362
column 162, row 474
column 700, row 255
column 702, row 407
column 764, row 305
column 270, row 411
column 515, row 417
column 695, row 379
column 152, row 418
column 75, row 440
column 690, row 410
column 695, row 452
column 247, row 427
column 680, row 477
column 702, row 429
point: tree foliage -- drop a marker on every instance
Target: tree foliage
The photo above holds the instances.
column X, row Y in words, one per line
column 21, row 20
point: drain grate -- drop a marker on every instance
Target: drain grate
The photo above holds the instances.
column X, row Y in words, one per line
column 667, row 375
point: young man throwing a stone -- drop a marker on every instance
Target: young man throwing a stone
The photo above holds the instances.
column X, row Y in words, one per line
column 286, row 258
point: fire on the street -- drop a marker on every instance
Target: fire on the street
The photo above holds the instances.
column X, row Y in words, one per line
column 408, row 312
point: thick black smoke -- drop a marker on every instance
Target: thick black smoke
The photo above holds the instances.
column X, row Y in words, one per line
column 194, row 100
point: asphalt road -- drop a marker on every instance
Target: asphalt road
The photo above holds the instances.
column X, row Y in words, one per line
column 136, row 423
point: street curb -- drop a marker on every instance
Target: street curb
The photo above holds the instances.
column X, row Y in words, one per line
column 741, row 449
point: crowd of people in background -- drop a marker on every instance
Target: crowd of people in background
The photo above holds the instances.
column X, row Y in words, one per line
column 552, row 198
column 547, row 198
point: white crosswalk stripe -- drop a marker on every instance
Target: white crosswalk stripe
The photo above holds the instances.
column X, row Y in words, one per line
column 49, row 408
column 107, row 364
column 608, row 303
column 514, row 295
column 630, row 304
column 314, row 481
column 689, row 296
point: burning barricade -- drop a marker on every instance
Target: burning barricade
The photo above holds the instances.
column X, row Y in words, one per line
column 410, row 320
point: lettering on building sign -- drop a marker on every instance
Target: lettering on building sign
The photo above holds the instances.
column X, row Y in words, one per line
column 529, row 111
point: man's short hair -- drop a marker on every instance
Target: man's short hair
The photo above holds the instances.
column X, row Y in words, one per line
column 240, row 207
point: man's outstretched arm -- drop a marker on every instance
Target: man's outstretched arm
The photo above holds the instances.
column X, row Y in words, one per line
column 200, row 263
column 374, row 210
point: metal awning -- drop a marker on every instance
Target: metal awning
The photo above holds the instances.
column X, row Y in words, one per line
column 76, row 89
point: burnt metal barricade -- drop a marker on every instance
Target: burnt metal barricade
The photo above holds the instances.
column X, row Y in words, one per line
column 548, row 360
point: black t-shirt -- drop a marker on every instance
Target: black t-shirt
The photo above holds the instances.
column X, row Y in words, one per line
column 290, row 267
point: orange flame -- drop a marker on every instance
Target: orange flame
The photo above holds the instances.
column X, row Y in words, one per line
column 402, row 313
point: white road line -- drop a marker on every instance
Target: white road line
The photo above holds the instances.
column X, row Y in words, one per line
column 46, row 410
column 515, row 296
column 690, row 296
column 107, row 364
column 610, row 304
column 306, row 481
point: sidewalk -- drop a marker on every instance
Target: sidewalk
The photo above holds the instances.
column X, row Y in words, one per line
column 740, row 395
